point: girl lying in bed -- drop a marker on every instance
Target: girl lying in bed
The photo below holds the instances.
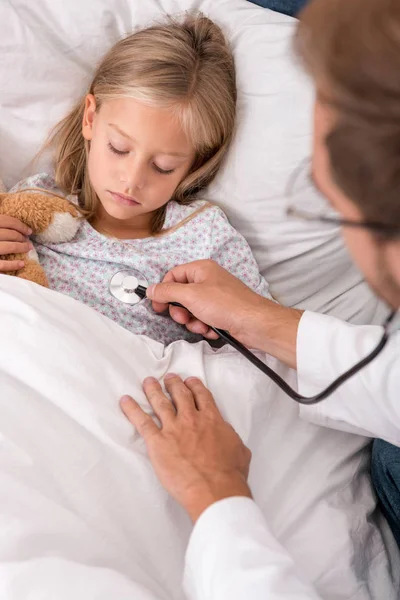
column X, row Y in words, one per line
column 135, row 153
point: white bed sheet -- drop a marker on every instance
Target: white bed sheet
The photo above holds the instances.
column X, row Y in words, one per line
column 82, row 514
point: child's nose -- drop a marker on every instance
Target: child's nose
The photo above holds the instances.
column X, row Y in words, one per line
column 134, row 175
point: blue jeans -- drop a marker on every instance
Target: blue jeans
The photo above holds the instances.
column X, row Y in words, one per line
column 385, row 471
column 287, row 7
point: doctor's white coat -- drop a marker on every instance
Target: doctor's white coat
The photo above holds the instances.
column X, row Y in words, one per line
column 232, row 554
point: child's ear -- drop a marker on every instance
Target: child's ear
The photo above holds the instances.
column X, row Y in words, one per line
column 88, row 117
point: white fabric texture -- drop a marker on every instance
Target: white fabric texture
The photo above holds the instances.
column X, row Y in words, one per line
column 85, row 517
column 374, row 408
column 49, row 51
column 232, row 554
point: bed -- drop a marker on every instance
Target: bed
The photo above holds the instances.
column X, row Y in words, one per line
column 82, row 513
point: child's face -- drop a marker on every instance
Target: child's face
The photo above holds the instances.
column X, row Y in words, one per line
column 138, row 156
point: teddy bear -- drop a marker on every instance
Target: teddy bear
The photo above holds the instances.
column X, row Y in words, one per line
column 52, row 218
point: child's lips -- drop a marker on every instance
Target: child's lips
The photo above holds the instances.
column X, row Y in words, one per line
column 125, row 200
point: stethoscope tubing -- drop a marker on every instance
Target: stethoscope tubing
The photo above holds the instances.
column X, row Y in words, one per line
column 281, row 383
column 140, row 292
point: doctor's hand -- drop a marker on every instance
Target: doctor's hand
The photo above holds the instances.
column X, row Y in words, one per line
column 198, row 457
column 214, row 297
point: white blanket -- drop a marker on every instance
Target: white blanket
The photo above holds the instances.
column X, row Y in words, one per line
column 82, row 515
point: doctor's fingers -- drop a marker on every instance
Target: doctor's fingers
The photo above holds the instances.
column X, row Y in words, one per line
column 139, row 419
column 202, row 396
column 196, row 326
column 162, row 406
column 198, row 271
column 180, row 284
column 162, row 294
column 191, row 397
column 181, row 395
column 183, row 317
column 179, row 315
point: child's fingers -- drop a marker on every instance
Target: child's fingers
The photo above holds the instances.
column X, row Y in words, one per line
column 139, row 419
column 6, row 266
column 11, row 235
column 15, row 247
column 12, row 223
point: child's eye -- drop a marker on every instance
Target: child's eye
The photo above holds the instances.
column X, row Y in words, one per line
column 119, row 152
column 162, row 171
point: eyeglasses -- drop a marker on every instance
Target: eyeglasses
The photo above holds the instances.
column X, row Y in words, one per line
column 305, row 202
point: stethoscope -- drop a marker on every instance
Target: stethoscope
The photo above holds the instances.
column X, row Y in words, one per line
column 129, row 286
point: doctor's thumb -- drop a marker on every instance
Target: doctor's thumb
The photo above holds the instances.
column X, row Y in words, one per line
column 165, row 293
column 150, row 292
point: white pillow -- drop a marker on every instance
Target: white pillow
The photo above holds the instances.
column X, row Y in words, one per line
column 82, row 514
column 49, row 50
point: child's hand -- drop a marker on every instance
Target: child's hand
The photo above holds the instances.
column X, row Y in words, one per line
column 13, row 240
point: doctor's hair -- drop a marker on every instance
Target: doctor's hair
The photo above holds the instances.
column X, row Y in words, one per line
column 351, row 48
column 185, row 65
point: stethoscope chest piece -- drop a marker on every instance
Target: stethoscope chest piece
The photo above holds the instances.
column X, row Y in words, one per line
column 123, row 286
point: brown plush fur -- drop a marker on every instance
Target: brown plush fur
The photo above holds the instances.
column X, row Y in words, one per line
column 37, row 210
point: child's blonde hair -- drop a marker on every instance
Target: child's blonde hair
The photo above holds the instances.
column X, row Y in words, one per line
column 184, row 65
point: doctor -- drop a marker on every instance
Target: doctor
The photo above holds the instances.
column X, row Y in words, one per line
column 352, row 51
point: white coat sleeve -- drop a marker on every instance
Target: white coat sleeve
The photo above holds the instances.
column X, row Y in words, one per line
column 232, row 554
column 369, row 403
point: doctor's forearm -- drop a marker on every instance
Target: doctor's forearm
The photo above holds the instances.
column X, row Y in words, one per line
column 275, row 331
